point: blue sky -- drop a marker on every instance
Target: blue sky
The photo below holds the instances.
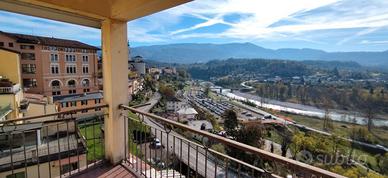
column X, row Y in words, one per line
column 331, row 25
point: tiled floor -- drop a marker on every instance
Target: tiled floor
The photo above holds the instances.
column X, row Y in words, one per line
column 107, row 171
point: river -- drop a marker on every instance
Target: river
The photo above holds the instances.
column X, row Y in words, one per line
column 343, row 116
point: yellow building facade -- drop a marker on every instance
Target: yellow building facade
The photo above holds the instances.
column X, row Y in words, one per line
column 11, row 94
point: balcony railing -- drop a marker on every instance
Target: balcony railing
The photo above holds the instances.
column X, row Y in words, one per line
column 4, row 110
column 56, row 87
column 53, row 145
column 10, row 90
column 159, row 147
column 64, row 144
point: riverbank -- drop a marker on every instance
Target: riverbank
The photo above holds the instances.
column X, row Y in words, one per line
column 349, row 117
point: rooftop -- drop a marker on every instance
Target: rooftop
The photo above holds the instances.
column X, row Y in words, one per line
column 187, row 111
column 78, row 97
column 49, row 41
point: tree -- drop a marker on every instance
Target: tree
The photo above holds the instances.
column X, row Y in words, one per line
column 149, row 83
column 207, row 90
column 327, row 120
column 219, row 148
column 369, row 110
column 230, row 121
column 251, row 135
column 382, row 163
column 166, row 92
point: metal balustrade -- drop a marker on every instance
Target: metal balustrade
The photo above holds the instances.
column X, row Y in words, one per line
column 62, row 144
column 10, row 90
column 66, row 145
column 178, row 155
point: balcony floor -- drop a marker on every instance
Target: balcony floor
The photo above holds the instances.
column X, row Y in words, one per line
column 107, row 171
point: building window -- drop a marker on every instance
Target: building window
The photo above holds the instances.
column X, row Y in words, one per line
column 17, row 175
column 29, row 83
column 54, row 69
column 56, row 85
column 74, row 103
column 85, row 59
column 10, row 45
column 72, row 91
column 71, row 69
column 69, row 50
column 27, row 47
column 97, row 101
column 54, row 57
column 84, row 102
column 1, row 44
column 97, row 109
column 28, row 68
column 84, row 111
column 86, row 90
column 71, row 84
column 28, row 56
column 56, row 93
column 70, row 58
column 52, row 48
column 85, row 69
column 85, row 83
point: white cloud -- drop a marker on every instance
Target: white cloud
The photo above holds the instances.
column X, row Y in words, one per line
column 259, row 16
column 31, row 25
column 255, row 20
column 383, row 42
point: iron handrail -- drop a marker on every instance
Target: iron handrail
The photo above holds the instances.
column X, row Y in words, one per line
column 262, row 153
column 54, row 114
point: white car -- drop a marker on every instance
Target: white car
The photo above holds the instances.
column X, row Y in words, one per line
column 157, row 143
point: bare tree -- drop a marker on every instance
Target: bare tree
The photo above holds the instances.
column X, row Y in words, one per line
column 369, row 111
column 326, row 119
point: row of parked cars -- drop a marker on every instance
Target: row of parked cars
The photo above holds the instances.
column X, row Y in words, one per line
column 216, row 108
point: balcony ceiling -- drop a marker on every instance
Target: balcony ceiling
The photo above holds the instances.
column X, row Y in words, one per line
column 88, row 12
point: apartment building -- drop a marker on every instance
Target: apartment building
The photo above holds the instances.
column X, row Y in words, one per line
column 53, row 66
column 11, row 96
column 79, row 101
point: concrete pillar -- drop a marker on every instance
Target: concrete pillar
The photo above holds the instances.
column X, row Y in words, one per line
column 115, row 77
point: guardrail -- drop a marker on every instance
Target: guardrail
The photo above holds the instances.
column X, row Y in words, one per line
column 151, row 136
column 10, row 90
column 52, row 145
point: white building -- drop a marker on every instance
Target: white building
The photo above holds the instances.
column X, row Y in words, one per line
column 174, row 104
column 187, row 114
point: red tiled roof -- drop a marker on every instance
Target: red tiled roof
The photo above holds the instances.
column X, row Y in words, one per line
column 21, row 38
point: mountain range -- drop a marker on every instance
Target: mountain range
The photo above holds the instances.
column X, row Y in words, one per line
column 203, row 52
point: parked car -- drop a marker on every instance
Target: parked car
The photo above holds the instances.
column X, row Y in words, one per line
column 268, row 117
column 156, row 144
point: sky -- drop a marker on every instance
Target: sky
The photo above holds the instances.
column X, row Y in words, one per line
column 330, row 25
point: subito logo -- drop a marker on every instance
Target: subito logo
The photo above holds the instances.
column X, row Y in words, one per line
column 304, row 156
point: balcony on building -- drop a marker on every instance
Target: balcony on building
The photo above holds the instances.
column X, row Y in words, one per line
column 121, row 141
column 7, row 87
